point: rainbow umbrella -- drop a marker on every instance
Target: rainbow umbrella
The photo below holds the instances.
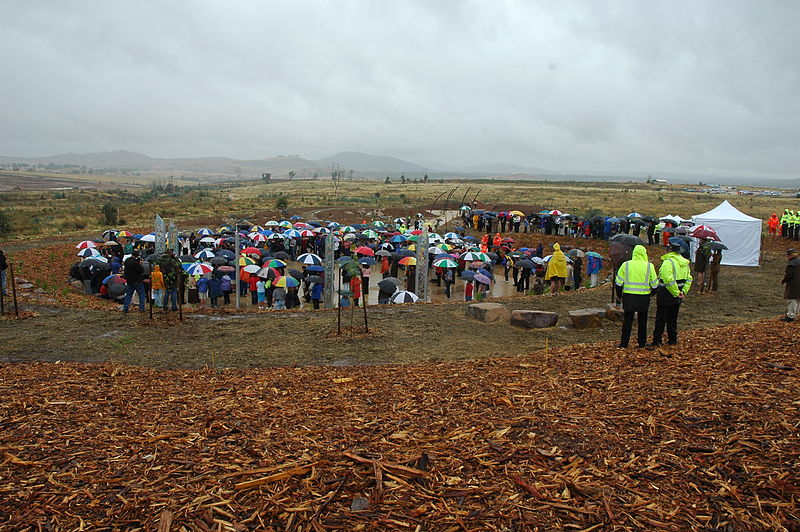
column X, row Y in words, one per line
column 274, row 263
column 408, row 261
column 286, row 281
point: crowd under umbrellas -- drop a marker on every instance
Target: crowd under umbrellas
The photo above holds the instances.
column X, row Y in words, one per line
column 280, row 263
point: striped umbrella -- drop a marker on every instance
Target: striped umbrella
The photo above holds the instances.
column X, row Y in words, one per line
column 198, row 268
column 205, row 231
column 86, row 244
column 274, row 263
column 309, row 258
column 88, row 252
column 286, row 281
column 404, row 296
column 205, row 254
column 445, row 263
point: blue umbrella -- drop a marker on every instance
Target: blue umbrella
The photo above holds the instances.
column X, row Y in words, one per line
column 468, row 275
column 399, row 238
column 315, row 268
column 230, row 255
column 366, row 261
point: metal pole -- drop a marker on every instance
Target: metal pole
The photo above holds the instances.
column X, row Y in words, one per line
column 2, row 301
column 13, row 288
column 339, row 306
column 238, row 267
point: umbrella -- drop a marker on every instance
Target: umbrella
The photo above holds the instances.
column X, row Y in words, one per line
column 252, row 268
column 204, row 254
column 718, row 245
column 404, row 296
column 282, row 255
column 315, row 268
column 364, row 250
column 271, row 223
column 309, row 258
column 198, row 268
column 405, row 253
column 227, row 269
column 344, row 259
column 230, row 255
column 378, row 223
column 704, row 231
column 366, row 261
column 481, row 278
column 320, row 230
column 286, row 224
column 275, row 263
column 218, row 261
column 250, row 250
column 383, row 253
column 98, row 262
column 204, row 240
column 86, row 244
column 246, row 261
column 187, row 258
column 205, row 231
column 445, row 263
column 555, row 212
column 468, row 275
column 634, row 215
column 286, row 282
column 88, row 252
column 575, row 252
column 313, row 279
column 627, row 239
column 257, row 237
column 525, row 263
column 408, row 261
column 292, row 233
column 399, row 239
column 297, row 274
column 594, row 254
column 387, row 281
column 268, row 273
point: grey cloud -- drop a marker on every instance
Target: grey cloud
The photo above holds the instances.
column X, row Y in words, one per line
column 679, row 86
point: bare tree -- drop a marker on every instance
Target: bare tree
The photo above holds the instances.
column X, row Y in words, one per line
column 292, row 173
column 337, row 173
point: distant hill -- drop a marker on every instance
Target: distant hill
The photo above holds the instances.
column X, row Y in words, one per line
column 370, row 163
column 506, row 168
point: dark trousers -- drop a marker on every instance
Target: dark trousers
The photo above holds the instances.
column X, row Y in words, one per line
column 627, row 325
column 129, row 290
column 666, row 315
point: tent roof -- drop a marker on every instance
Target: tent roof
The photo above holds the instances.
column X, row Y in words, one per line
column 726, row 211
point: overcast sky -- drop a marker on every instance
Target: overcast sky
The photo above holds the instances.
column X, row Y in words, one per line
column 682, row 86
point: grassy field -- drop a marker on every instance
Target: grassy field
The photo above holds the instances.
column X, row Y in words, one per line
column 44, row 213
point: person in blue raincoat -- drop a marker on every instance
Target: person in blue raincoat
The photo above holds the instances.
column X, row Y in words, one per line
column 593, row 266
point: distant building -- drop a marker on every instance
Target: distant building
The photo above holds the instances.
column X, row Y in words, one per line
column 657, row 181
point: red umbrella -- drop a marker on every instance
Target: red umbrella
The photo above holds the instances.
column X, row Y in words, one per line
column 364, row 250
column 704, row 231
column 251, row 249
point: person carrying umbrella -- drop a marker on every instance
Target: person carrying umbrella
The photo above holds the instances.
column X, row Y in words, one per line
column 635, row 281
column 791, row 292
column 701, row 257
column 594, row 264
column 556, row 270
column 713, row 270
column 675, row 280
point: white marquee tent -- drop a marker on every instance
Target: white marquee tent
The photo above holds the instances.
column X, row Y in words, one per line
column 740, row 232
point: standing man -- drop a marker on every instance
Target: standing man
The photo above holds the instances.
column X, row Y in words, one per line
column 636, row 279
column 169, row 268
column 675, row 279
column 792, row 289
column 134, row 278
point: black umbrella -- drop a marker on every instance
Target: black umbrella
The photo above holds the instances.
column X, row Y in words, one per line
column 405, row 253
column 282, row 255
column 630, row 240
column 388, row 282
column 187, row 258
column 717, row 245
column 297, row 274
column 230, row 255
column 525, row 263
column 313, row 279
column 218, row 261
column 94, row 264
column 468, row 275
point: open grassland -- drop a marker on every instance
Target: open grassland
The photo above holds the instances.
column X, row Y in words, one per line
column 45, row 213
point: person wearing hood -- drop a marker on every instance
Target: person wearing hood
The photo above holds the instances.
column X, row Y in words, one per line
column 157, row 285
column 784, row 222
column 556, row 270
column 675, row 280
column 773, row 224
column 635, row 281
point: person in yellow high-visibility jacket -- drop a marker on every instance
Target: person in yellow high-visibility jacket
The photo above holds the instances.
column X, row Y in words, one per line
column 675, row 281
column 636, row 279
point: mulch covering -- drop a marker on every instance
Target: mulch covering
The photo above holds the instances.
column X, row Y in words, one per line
column 584, row 438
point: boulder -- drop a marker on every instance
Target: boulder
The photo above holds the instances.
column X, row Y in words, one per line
column 487, row 312
column 587, row 318
column 534, row 319
column 614, row 313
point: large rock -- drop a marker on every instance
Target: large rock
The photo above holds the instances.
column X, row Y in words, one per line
column 614, row 313
column 533, row 319
column 487, row 312
column 587, row 318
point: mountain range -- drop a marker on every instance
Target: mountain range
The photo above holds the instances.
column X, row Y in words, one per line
column 364, row 164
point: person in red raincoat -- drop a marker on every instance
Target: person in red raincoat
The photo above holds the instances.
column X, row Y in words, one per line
column 355, row 287
column 773, row 224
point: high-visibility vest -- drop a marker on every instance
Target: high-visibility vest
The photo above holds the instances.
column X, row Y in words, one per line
column 637, row 277
column 673, row 280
